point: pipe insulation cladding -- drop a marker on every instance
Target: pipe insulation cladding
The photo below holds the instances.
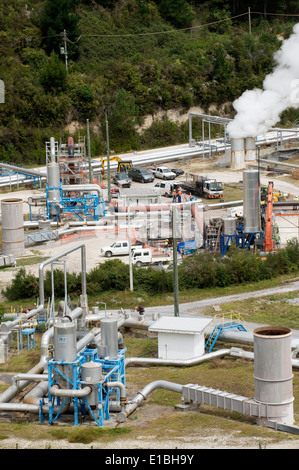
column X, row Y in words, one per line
column 273, row 372
column 251, row 201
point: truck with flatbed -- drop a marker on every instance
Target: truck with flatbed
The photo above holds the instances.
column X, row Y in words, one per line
column 146, row 257
column 203, row 186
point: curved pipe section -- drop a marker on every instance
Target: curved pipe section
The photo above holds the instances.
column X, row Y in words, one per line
column 56, row 391
column 151, row 387
column 176, row 362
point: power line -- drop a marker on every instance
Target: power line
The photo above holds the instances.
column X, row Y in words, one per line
column 161, row 32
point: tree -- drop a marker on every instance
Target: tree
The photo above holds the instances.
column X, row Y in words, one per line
column 57, row 16
column 53, row 75
column 123, row 118
column 177, row 12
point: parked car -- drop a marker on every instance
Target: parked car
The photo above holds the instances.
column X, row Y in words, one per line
column 118, row 248
column 122, row 180
column 164, row 173
column 142, row 175
column 177, row 171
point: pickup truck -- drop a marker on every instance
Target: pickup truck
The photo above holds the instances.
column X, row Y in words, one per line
column 164, row 173
column 201, row 186
column 118, row 248
column 145, row 257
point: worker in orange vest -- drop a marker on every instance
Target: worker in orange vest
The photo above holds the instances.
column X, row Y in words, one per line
column 179, row 195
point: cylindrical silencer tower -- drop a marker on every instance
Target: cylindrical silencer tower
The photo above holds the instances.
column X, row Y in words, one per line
column 65, row 350
column 273, row 372
column 54, row 193
column 250, row 153
column 251, row 201
column 91, row 374
column 109, row 338
column 13, row 240
column 237, row 153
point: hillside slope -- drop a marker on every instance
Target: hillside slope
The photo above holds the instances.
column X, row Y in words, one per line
column 130, row 58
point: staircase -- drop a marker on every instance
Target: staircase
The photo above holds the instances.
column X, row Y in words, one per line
column 220, row 324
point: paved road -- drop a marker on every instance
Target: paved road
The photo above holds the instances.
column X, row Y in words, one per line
column 193, row 308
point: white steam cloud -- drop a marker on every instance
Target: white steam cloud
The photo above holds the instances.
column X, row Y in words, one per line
column 259, row 109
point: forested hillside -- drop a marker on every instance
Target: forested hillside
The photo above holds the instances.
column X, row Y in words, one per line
column 129, row 58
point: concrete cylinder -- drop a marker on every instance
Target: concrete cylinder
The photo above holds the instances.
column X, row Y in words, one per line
column 273, row 372
column 250, row 153
column 251, row 201
column 13, row 242
column 237, row 153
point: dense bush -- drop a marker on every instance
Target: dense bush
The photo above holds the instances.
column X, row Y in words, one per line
column 200, row 271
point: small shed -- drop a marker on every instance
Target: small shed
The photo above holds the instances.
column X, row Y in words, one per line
column 180, row 337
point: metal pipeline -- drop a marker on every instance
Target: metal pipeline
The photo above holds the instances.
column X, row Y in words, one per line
column 141, row 396
column 83, row 187
column 56, row 391
column 176, row 362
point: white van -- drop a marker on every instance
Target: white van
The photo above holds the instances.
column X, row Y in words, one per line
column 164, row 173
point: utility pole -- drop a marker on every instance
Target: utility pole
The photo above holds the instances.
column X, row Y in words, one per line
column 175, row 263
column 108, row 157
column 249, row 19
column 130, row 248
column 89, row 150
column 65, row 49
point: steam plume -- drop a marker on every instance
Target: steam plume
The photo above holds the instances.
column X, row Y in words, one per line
column 259, row 109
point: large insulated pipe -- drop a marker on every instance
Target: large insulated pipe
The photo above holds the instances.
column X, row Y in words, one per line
column 13, row 239
column 250, row 152
column 251, row 201
column 84, row 187
column 141, row 396
column 273, row 372
column 237, row 153
column 155, row 361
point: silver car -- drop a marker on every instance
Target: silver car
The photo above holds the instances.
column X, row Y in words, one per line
column 122, row 180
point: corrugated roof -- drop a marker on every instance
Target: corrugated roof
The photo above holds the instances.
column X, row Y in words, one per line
column 183, row 325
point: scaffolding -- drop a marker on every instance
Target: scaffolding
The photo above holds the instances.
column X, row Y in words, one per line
column 74, row 167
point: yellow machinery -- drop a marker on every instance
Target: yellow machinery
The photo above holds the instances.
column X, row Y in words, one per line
column 123, row 165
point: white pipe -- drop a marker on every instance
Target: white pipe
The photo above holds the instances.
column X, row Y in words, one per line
column 176, row 362
column 141, row 396
column 56, row 391
column 83, row 187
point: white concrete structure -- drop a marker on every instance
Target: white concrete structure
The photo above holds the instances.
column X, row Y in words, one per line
column 180, row 337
